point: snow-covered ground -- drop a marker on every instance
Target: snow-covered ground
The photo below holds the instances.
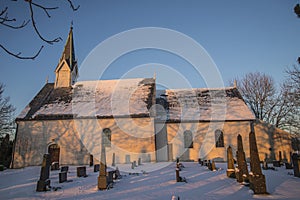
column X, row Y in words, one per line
column 158, row 183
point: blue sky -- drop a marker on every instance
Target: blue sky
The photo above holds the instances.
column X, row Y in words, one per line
column 240, row 37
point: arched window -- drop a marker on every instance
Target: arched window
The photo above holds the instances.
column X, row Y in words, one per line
column 107, row 137
column 188, row 139
column 219, row 138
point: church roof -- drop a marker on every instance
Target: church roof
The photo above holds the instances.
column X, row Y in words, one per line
column 68, row 53
column 206, row 105
column 101, row 98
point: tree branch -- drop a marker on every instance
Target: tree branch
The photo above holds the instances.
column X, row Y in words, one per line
column 36, row 29
column 72, row 6
column 18, row 55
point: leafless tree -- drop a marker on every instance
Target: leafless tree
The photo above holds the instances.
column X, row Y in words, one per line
column 6, row 114
column 258, row 91
column 10, row 22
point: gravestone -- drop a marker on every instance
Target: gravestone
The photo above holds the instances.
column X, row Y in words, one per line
column 43, row 183
column 102, row 179
column 91, row 160
column 55, row 166
column 230, row 172
column 81, row 171
column 113, row 160
column 134, row 163
column 64, row 169
column 242, row 174
column 139, row 161
column 296, row 164
column 62, row 176
column 265, row 165
column 256, row 178
column 213, row 166
column 178, row 177
column 96, row 167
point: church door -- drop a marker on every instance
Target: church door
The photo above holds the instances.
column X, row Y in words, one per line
column 54, row 150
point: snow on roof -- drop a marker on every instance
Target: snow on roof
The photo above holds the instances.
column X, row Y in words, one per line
column 101, row 98
column 206, row 104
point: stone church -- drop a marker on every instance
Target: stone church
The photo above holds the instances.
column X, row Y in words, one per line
column 71, row 119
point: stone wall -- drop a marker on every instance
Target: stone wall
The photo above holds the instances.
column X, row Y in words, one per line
column 130, row 138
column 269, row 140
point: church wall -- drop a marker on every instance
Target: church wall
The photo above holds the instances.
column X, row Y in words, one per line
column 77, row 137
column 204, row 145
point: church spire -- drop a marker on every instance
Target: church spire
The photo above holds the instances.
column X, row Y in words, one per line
column 67, row 70
column 69, row 51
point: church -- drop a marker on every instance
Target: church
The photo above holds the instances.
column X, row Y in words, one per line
column 71, row 119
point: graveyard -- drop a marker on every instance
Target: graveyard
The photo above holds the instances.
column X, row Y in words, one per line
column 148, row 181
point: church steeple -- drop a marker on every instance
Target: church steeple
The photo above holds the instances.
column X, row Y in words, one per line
column 67, row 70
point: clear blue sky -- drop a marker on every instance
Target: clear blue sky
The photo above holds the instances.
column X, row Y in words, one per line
column 240, row 36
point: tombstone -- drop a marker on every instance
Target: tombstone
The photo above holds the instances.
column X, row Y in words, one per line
column 134, row 163
column 265, row 165
column 139, row 161
column 81, row 171
column 179, row 178
column 62, row 177
column 242, row 169
column 110, row 177
column 288, row 166
column 64, row 169
column 96, row 167
column 113, row 160
column 43, row 183
column 296, row 164
column 276, row 163
column 213, row 166
column 102, row 179
column 91, row 160
column 230, row 172
column 117, row 173
column 256, row 178
column 55, row 166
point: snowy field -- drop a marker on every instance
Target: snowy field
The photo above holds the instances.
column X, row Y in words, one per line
column 157, row 183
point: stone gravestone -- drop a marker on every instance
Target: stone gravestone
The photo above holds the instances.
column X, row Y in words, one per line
column 230, row 172
column 62, row 176
column 102, row 179
column 113, row 160
column 96, row 167
column 43, row 183
column 91, row 160
column 179, row 178
column 64, row 169
column 81, row 171
column 213, row 166
column 242, row 170
column 256, row 178
column 296, row 164
column 132, row 165
column 139, row 161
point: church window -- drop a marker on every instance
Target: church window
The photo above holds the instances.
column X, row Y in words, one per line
column 107, row 137
column 188, row 139
column 219, row 138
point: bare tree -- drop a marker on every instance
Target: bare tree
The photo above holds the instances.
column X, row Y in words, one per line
column 258, row 91
column 6, row 114
column 10, row 22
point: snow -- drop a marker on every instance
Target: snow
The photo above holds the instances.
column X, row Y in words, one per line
column 207, row 104
column 157, row 183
